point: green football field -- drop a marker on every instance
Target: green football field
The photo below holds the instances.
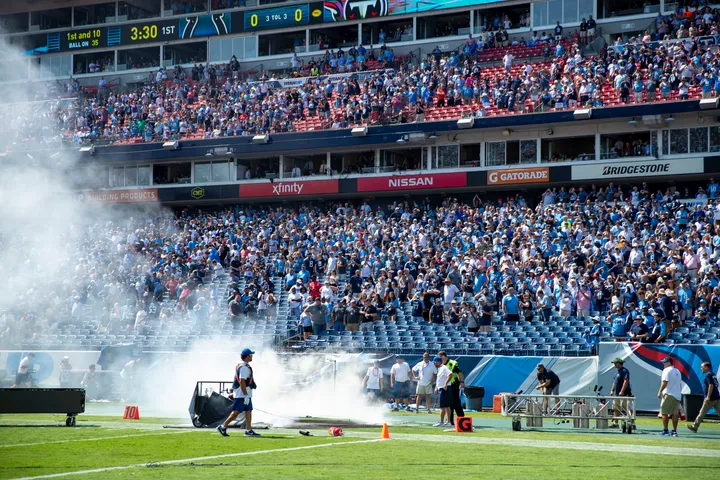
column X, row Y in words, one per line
column 109, row 447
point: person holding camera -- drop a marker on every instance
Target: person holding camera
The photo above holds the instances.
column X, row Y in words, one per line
column 243, row 385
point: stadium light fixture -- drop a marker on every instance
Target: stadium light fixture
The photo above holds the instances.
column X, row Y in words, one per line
column 709, row 103
column 260, row 139
column 670, row 119
column 632, row 122
column 359, row 131
column 466, row 123
column 582, row 114
column 401, row 139
column 90, row 149
column 171, row 145
column 432, row 136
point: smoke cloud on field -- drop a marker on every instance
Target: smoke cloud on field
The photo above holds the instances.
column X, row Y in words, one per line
column 289, row 386
column 64, row 260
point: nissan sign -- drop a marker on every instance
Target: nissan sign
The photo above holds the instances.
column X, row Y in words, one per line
column 409, row 182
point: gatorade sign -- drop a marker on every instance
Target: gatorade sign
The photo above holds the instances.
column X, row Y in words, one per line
column 649, row 168
column 518, row 175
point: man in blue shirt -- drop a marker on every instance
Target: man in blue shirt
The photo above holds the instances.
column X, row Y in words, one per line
column 593, row 336
column 618, row 324
column 620, row 388
column 510, row 306
column 712, row 396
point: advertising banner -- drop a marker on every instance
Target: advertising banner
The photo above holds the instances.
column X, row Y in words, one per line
column 412, row 182
column 288, row 189
column 499, row 374
column 643, row 361
column 649, row 168
column 518, row 175
column 121, row 196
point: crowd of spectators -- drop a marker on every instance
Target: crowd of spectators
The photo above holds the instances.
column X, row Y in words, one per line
column 218, row 100
column 613, row 250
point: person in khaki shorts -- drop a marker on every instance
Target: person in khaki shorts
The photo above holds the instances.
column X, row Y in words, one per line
column 670, row 393
column 620, row 388
column 712, row 396
column 424, row 373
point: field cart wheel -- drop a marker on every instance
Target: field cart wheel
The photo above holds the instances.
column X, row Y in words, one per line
column 70, row 421
column 516, row 425
column 624, row 427
column 196, row 422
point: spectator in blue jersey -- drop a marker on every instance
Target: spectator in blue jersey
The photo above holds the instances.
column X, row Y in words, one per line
column 511, row 306
column 592, row 338
column 659, row 330
column 618, row 324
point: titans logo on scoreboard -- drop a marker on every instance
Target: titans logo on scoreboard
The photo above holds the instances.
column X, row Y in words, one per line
column 339, row 10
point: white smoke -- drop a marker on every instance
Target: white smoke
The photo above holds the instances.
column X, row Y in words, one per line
column 290, row 387
column 50, row 240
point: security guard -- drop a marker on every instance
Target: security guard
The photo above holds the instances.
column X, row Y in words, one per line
column 457, row 381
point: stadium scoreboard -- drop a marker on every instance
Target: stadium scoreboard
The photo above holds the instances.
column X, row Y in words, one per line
column 283, row 17
column 197, row 26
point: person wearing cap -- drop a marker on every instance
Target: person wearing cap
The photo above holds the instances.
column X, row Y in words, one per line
column 442, row 380
column 659, row 331
column 639, row 332
column 549, row 384
column 243, row 386
column 353, row 317
column 457, row 379
column 712, row 396
column 400, row 379
column 424, row 373
column 592, row 338
column 65, row 369
column 373, row 381
column 620, row 388
column 670, row 393
column 618, row 324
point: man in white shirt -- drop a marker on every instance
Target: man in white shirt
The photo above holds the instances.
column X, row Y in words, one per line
column 373, row 380
column 243, row 385
column 400, row 383
column 450, row 291
column 442, row 387
column 424, row 373
column 23, row 372
column 670, row 392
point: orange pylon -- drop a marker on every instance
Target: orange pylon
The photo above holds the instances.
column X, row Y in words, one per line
column 385, row 433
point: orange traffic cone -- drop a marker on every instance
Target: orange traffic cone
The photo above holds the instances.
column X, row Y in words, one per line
column 385, row 433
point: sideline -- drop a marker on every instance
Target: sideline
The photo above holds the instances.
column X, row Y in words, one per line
column 18, row 445
column 551, row 444
column 198, row 459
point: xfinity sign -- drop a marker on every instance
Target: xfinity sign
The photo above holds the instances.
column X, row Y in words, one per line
column 287, row 188
column 649, row 168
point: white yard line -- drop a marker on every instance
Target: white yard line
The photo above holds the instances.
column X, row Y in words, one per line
column 551, row 444
column 95, row 439
column 199, row 459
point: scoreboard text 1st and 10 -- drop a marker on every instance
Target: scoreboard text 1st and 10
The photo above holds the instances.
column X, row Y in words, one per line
column 166, row 30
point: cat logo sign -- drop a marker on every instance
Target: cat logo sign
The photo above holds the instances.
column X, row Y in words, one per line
column 197, row 193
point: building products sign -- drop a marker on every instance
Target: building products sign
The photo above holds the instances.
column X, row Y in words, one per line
column 121, row 196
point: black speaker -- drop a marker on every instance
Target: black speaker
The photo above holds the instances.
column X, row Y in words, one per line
column 69, row 401
column 214, row 409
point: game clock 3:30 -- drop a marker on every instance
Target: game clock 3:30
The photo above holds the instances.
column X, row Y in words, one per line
column 150, row 32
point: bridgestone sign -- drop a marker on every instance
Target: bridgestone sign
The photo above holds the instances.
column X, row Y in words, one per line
column 620, row 169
